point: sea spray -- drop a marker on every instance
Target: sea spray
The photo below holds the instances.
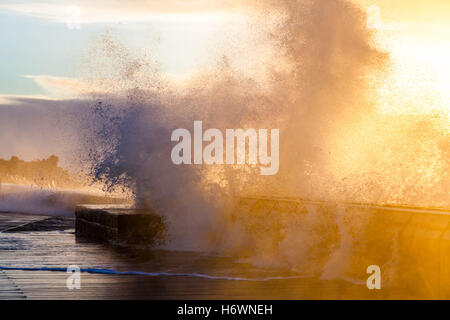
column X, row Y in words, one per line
column 321, row 94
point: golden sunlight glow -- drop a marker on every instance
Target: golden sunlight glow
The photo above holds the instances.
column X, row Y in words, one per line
column 417, row 36
column 419, row 81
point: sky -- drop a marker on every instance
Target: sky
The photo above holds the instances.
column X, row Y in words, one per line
column 42, row 40
column 43, row 49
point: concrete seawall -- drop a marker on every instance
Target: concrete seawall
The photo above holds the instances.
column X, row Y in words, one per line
column 411, row 245
column 119, row 224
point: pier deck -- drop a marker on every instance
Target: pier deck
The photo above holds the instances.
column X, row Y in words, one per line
column 29, row 241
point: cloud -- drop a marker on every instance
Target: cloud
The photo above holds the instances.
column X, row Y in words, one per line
column 118, row 11
column 58, row 89
column 63, row 87
column 8, row 99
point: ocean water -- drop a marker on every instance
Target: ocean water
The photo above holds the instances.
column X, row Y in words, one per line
column 49, row 201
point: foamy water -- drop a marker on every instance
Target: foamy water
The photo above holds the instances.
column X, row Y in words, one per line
column 45, row 201
column 150, row 274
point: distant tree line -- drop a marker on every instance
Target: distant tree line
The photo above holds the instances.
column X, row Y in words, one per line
column 44, row 172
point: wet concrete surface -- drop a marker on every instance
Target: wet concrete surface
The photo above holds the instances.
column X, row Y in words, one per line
column 40, row 242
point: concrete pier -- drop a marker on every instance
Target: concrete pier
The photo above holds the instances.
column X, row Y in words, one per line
column 50, row 249
column 119, row 223
column 410, row 244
